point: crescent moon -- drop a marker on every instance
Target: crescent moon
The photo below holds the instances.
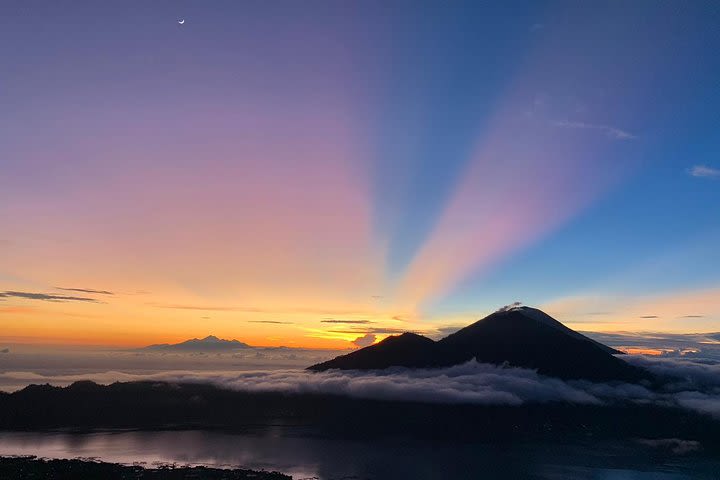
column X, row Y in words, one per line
column 181, row 21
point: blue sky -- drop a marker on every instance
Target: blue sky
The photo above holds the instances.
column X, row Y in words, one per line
column 645, row 69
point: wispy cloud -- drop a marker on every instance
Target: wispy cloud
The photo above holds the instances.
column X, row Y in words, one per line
column 86, row 290
column 333, row 320
column 704, row 171
column 206, row 307
column 375, row 330
column 610, row 131
column 48, row 297
column 365, row 340
column 446, row 330
column 667, row 345
column 678, row 311
column 275, row 322
column 252, row 309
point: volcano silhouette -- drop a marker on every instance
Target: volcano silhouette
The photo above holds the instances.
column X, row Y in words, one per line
column 519, row 337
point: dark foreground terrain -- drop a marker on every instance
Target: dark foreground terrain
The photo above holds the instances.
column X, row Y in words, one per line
column 27, row 468
column 86, row 406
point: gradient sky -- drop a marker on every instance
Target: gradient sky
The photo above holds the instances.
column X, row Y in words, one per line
column 306, row 173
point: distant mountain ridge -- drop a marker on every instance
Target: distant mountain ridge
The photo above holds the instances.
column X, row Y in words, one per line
column 209, row 343
column 518, row 336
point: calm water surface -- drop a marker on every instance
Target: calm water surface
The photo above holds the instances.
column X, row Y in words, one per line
column 333, row 459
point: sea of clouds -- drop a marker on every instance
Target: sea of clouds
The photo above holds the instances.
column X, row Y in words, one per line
column 687, row 383
column 689, row 370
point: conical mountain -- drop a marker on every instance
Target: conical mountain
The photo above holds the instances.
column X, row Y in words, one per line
column 529, row 338
column 520, row 336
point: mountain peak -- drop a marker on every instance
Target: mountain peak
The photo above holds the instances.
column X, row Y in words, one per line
column 209, row 343
column 517, row 335
column 406, row 337
column 542, row 318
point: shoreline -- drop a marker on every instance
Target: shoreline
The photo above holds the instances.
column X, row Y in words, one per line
column 22, row 467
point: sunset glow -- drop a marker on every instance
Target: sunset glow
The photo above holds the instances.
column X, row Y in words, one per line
column 289, row 179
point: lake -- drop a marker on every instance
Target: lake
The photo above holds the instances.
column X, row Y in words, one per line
column 306, row 456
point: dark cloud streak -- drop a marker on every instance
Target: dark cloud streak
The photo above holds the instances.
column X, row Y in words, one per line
column 47, row 297
column 274, row 322
column 255, row 309
column 378, row 331
column 203, row 307
column 86, row 290
column 332, row 320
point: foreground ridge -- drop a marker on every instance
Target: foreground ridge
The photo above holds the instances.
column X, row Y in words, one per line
column 38, row 468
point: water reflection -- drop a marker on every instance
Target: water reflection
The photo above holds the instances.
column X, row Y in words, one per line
column 304, row 456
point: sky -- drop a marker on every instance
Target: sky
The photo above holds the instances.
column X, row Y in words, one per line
column 323, row 174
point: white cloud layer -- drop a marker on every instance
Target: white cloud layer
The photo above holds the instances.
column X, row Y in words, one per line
column 689, row 367
column 689, row 384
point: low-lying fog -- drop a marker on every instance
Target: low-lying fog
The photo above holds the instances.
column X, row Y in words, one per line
column 21, row 365
column 690, row 364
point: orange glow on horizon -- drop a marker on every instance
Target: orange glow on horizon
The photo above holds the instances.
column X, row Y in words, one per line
column 642, row 351
column 140, row 320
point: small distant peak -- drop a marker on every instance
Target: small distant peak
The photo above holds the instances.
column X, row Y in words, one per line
column 209, row 343
column 407, row 337
column 84, row 385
